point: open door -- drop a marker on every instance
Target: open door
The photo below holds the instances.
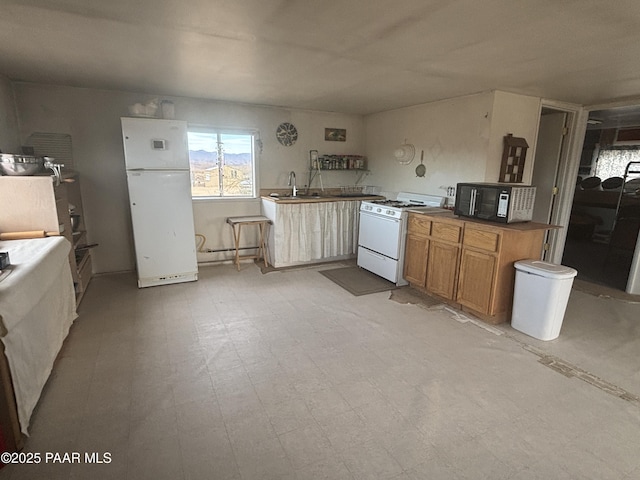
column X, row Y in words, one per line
column 549, row 149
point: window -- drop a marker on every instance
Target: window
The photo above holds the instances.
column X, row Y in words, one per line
column 613, row 160
column 222, row 163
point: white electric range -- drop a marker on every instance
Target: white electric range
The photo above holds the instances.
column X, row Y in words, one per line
column 383, row 229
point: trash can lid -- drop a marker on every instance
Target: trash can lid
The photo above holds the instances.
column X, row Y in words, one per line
column 545, row 269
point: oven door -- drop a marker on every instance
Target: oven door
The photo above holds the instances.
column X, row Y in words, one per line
column 380, row 234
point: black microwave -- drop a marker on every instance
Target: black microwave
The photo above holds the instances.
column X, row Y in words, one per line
column 495, row 202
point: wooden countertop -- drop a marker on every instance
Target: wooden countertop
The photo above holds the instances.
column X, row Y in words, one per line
column 315, row 199
column 519, row 226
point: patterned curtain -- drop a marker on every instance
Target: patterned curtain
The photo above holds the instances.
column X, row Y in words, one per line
column 612, row 161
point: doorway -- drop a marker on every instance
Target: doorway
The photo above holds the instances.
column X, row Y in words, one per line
column 603, row 228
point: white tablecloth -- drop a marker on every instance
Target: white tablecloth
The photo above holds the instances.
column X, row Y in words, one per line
column 37, row 308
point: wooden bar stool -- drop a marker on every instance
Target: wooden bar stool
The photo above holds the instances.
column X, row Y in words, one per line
column 237, row 223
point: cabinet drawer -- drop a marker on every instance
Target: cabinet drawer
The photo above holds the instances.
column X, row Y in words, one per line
column 481, row 239
column 419, row 225
column 446, row 231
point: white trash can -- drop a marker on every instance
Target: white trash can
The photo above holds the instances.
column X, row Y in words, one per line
column 540, row 298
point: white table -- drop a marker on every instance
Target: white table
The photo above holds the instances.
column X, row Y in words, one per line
column 37, row 308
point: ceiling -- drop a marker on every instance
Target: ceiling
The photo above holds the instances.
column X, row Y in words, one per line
column 349, row 56
column 626, row 116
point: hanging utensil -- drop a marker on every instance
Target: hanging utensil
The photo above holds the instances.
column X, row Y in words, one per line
column 421, row 169
column 405, row 153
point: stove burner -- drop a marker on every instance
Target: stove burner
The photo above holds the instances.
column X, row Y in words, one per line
column 393, row 203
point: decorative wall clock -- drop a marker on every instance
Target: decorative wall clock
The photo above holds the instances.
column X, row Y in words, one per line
column 287, row 134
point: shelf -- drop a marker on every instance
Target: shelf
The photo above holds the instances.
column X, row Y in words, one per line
column 342, row 169
column 339, row 162
column 82, row 256
column 84, row 275
column 40, row 204
column 77, row 236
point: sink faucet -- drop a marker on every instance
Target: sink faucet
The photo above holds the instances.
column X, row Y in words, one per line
column 292, row 181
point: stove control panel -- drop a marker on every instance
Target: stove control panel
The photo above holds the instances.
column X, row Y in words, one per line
column 381, row 210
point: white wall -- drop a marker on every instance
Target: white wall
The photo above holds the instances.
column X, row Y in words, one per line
column 454, row 135
column 462, row 140
column 9, row 142
column 520, row 116
column 92, row 118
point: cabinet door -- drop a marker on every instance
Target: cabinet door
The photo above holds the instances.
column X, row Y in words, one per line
column 442, row 268
column 418, row 224
column 415, row 259
column 475, row 285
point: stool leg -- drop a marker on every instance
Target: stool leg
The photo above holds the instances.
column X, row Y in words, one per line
column 236, row 237
column 267, row 258
column 262, row 247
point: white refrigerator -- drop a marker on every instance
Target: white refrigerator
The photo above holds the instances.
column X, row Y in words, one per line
column 157, row 162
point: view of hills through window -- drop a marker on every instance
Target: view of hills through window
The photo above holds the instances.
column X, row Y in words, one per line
column 222, row 164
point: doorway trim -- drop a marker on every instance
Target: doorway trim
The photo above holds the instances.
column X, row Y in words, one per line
column 568, row 166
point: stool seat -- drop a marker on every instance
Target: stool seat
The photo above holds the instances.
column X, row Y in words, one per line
column 247, row 220
column 237, row 223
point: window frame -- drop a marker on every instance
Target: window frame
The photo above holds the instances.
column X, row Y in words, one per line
column 255, row 137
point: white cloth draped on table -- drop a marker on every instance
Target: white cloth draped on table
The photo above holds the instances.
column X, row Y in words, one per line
column 306, row 232
column 37, row 308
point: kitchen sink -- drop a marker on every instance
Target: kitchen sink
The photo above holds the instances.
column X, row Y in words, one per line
column 316, row 196
column 288, row 196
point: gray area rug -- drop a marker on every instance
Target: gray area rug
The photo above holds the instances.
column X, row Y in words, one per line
column 305, row 266
column 358, row 281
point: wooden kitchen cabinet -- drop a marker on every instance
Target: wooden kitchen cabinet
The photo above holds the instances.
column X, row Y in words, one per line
column 476, row 280
column 417, row 250
column 489, row 252
column 470, row 263
column 442, row 271
column 432, row 253
column 444, row 254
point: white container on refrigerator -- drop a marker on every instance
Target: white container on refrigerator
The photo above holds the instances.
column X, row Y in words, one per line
column 159, row 182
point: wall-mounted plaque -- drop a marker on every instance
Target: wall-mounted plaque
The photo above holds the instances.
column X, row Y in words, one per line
column 335, row 134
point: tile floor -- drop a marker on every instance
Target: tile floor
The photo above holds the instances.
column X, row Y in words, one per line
column 596, row 263
column 288, row 376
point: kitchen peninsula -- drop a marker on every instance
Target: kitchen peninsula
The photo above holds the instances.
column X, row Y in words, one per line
column 469, row 263
column 312, row 228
